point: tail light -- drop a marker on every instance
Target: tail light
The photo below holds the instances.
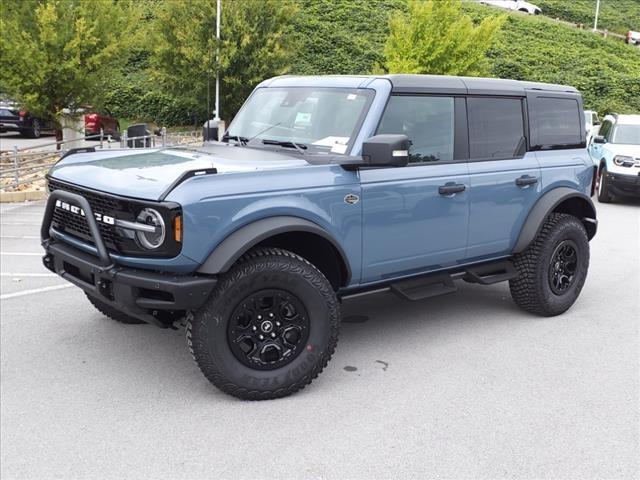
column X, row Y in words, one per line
column 22, row 114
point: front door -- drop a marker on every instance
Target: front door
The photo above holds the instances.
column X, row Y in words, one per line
column 415, row 218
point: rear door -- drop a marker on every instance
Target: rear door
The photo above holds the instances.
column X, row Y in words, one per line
column 415, row 218
column 504, row 177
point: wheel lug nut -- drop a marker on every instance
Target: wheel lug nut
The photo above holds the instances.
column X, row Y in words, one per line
column 271, row 315
column 261, row 337
column 255, row 328
column 278, row 324
column 259, row 317
column 273, row 335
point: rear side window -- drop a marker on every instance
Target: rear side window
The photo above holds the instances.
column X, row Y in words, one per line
column 427, row 121
column 555, row 123
column 496, row 127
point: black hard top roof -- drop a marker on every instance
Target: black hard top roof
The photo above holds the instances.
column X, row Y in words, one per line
column 469, row 85
column 405, row 83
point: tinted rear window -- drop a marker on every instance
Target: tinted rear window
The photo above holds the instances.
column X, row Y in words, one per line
column 555, row 122
column 496, row 127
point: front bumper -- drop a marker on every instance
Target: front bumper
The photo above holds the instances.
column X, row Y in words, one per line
column 624, row 184
column 144, row 294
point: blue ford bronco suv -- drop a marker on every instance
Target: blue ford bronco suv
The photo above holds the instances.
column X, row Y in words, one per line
column 324, row 188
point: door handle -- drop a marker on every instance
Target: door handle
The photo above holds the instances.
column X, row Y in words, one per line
column 525, row 181
column 451, row 188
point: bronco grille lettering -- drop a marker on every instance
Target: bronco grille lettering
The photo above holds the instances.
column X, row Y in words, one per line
column 78, row 211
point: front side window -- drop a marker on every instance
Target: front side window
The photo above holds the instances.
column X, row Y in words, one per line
column 496, row 127
column 605, row 129
column 626, row 134
column 318, row 120
column 427, row 121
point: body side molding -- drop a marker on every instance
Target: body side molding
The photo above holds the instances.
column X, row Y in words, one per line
column 547, row 204
column 238, row 242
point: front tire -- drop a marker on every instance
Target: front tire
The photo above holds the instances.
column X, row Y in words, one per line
column 604, row 194
column 269, row 327
column 553, row 269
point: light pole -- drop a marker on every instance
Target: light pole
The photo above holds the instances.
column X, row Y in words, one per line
column 595, row 22
column 217, row 107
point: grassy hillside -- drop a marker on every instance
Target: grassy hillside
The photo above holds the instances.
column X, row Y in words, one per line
column 618, row 16
column 347, row 36
column 606, row 71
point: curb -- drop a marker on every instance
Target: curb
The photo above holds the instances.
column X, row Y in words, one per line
column 25, row 195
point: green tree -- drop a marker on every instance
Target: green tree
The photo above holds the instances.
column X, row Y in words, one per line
column 436, row 37
column 60, row 54
column 252, row 47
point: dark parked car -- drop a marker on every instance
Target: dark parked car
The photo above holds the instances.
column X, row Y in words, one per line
column 12, row 119
column 102, row 120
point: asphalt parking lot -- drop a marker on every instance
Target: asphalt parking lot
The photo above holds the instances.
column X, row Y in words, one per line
column 461, row 386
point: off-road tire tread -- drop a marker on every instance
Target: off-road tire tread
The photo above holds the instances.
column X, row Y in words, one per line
column 113, row 313
column 244, row 266
column 525, row 290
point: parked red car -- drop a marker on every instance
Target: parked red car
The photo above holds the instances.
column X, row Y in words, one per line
column 95, row 121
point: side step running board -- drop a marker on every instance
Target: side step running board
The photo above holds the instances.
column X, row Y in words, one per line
column 425, row 287
column 491, row 273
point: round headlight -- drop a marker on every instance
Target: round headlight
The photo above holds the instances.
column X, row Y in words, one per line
column 151, row 240
column 621, row 160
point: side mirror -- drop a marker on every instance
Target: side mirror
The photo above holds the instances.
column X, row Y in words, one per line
column 386, row 150
column 599, row 139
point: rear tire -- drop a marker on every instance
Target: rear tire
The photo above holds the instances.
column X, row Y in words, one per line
column 113, row 313
column 553, row 269
column 604, row 194
column 34, row 131
column 269, row 327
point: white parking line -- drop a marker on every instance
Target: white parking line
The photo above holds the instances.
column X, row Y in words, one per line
column 6, row 296
column 22, row 254
column 21, row 214
column 20, row 237
column 25, row 275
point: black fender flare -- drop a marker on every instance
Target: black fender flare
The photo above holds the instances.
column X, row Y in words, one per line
column 546, row 205
column 239, row 242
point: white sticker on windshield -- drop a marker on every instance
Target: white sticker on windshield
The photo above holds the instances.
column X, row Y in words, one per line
column 352, row 96
column 331, row 141
column 303, row 117
column 339, row 148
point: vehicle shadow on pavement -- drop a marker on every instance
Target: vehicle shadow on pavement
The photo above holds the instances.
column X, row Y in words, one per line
column 153, row 358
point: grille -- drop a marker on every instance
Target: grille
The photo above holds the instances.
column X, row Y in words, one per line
column 77, row 225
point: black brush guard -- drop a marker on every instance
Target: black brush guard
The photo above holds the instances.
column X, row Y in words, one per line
column 143, row 294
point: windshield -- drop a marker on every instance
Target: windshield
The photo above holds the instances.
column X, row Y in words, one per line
column 309, row 119
column 626, row 134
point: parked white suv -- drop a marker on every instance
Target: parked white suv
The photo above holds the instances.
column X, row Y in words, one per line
column 591, row 123
column 518, row 5
column 616, row 153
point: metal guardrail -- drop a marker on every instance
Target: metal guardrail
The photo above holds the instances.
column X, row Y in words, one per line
column 26, row 166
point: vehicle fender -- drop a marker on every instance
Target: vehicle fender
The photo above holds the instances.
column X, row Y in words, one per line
column 545, row 206
column 241, row 240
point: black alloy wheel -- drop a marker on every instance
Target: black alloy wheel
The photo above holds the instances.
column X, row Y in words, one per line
column 563, row 266
column 268, row 329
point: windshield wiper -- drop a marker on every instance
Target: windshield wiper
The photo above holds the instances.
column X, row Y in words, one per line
column 300, row 147
column 241, row 140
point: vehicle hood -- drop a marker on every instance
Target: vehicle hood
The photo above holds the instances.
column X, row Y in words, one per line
column 148, row 174
column 627, row 150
